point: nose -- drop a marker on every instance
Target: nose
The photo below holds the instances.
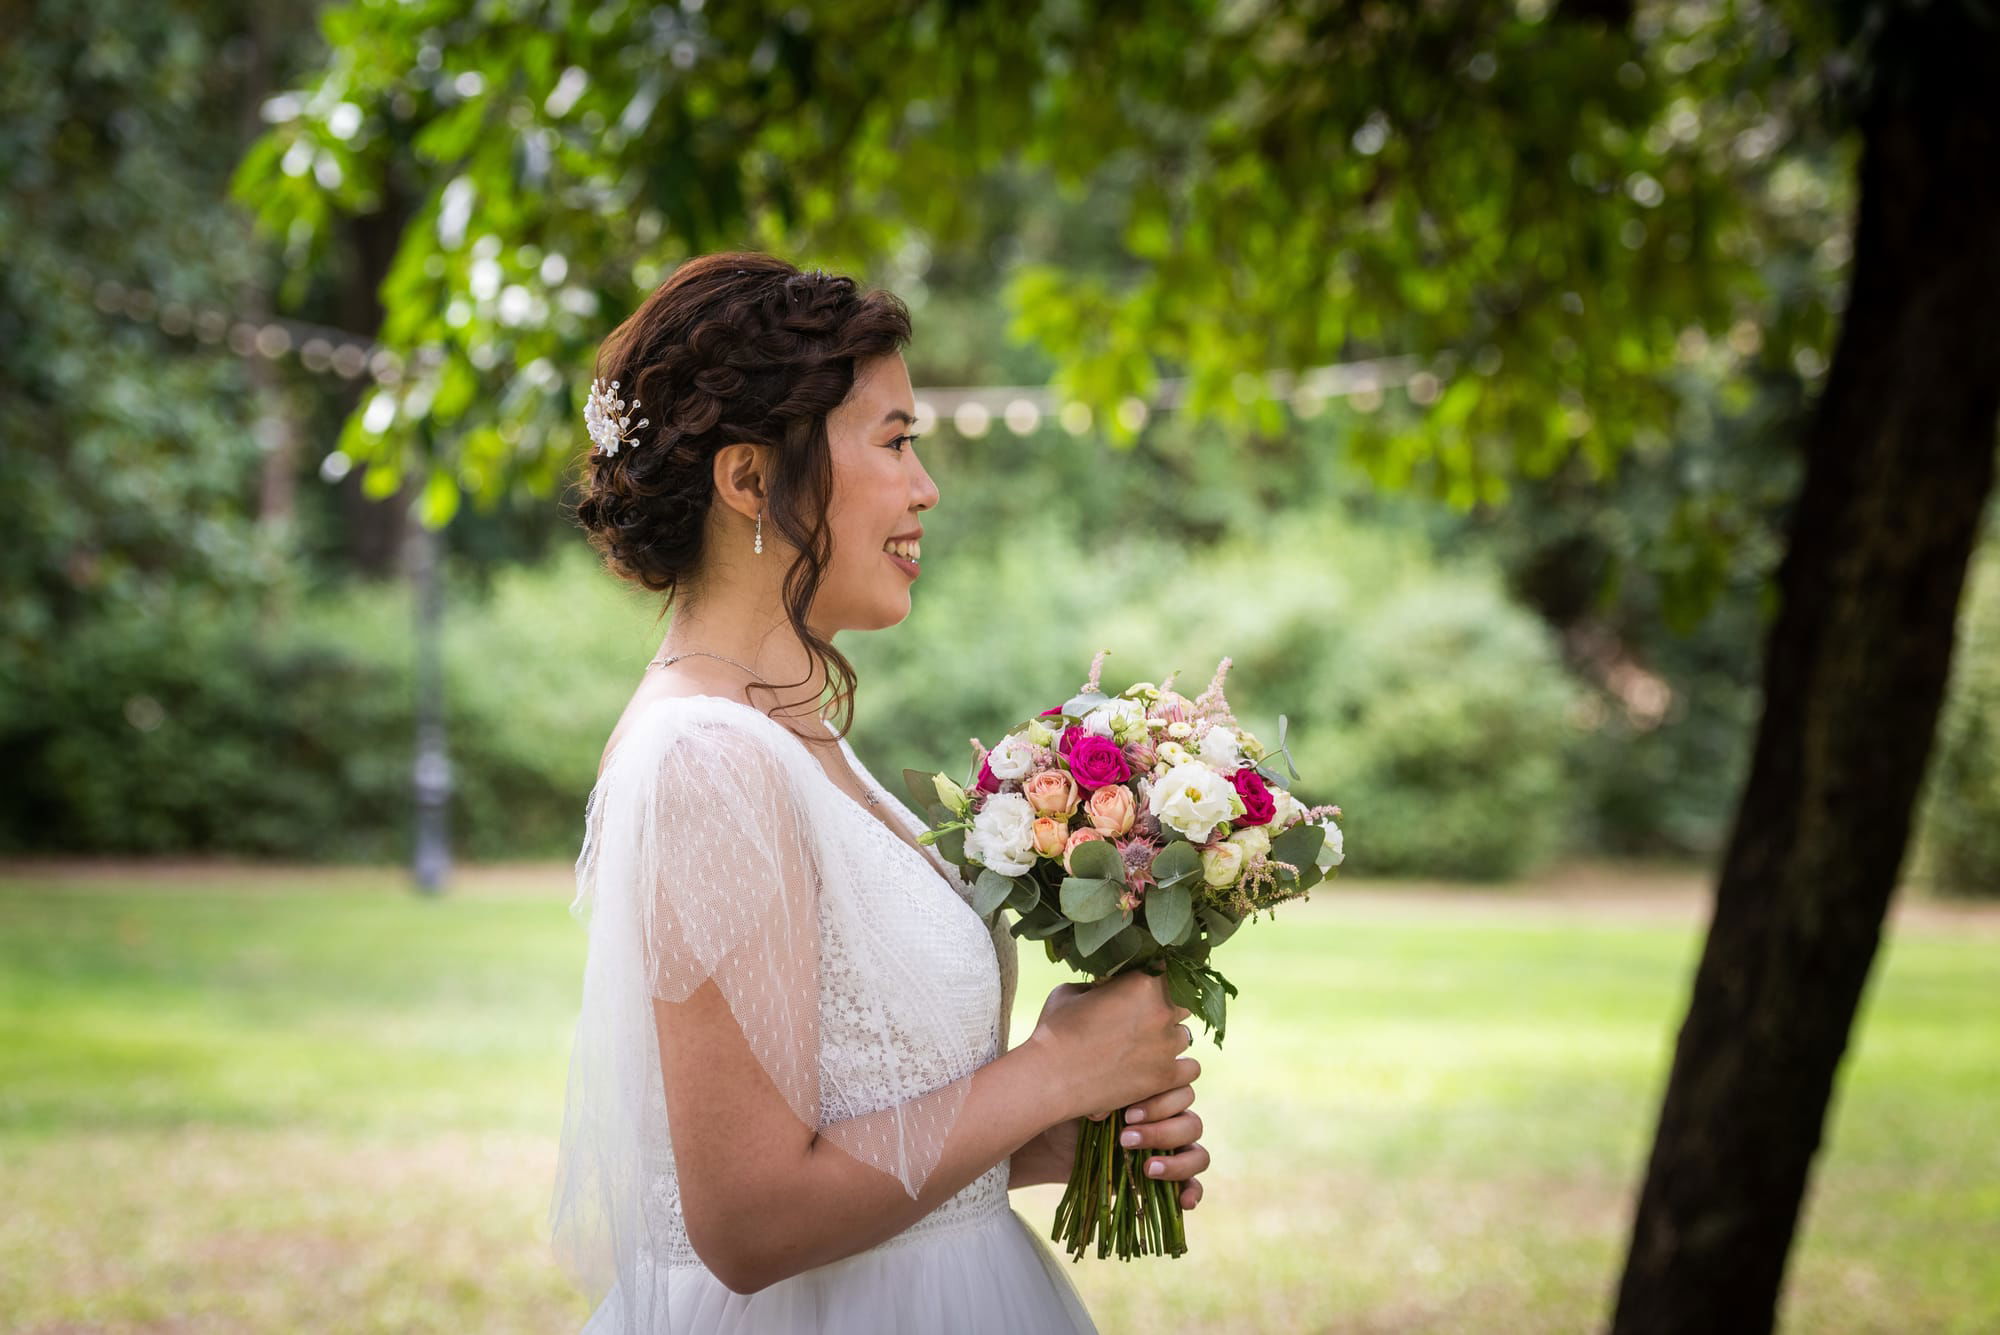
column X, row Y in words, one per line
column 927, row 494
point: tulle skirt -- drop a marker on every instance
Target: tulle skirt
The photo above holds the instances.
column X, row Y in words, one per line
column 992, row 1275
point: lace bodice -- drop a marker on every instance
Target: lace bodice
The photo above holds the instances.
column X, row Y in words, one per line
column 718, row 842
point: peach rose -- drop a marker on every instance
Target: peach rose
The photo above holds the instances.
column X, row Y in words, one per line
column 1051, row 836
column 1111, row 809
column 1082, row 836
column 1051, row 793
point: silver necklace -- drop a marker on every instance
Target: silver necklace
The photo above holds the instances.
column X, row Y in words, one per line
column 868, row 793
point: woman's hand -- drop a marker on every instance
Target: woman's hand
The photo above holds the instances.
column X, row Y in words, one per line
column 1168, row 1122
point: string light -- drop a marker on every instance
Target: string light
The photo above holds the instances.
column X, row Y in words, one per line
column 970, row 409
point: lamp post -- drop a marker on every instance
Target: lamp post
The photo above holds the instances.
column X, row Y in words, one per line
column 431, row 771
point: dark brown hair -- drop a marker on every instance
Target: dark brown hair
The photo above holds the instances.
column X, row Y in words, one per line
column 734, row 346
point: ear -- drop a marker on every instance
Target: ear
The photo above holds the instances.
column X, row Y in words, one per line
column 739, row 477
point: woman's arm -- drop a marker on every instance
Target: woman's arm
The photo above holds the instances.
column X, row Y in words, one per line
column 765, row 1198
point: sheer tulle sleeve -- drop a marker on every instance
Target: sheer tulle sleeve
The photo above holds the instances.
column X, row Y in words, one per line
column 710, row 854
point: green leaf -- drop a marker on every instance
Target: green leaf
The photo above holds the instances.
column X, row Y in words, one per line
column 440, row 499
column 923, row 793
column 1175, row 863
column 1037, row 927
column 1097, row 858
column 1025, row 894
column 1093, row 934
column 1169, row 913
column 1183, row 985
column 1299, row 845
column 990, row 891
column 951, row 847
column 1219, row 924
column 1088, row 898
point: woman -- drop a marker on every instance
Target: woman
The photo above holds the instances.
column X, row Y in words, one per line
column 792, row 1103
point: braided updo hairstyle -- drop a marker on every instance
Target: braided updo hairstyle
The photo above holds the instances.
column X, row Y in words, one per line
column 734, row 346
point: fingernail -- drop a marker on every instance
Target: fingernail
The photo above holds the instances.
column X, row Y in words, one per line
column 1156, row 1168
column 1135, row 1114
column 1129, row 1139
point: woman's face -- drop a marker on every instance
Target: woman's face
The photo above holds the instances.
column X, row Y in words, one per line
column 878, row 488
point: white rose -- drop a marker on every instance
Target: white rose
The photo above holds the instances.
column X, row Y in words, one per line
column 1220, row 748
column 1252, row 839
column 1331, row 853
column 1003, row 834
column 1013, row 758
column 1192, row 800
column 1222, row 863
column 1286, row 810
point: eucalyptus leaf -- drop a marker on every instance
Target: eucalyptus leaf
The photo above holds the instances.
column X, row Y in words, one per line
column 1083, row 702
column 1088, row 898
column 951, row 847
column 990, row 891
column 1037, row 928
column 1098, row 858
column 1093, row 934
column 1169, row 912
column 1175, row 863
column 1299, row 845
column 1025, row 894
column 1219, row 924
column 922, row 791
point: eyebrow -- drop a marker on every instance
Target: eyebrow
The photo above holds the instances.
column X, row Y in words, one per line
column 897, row 414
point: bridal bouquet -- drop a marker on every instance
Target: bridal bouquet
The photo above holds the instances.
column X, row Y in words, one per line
column 1134, row 831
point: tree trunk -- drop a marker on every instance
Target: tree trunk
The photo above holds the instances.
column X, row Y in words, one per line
column 1899, row 464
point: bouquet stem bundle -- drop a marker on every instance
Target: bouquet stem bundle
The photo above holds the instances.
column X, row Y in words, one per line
column 1112, row 1201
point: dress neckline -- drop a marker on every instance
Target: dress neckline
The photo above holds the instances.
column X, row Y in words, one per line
column 934, row 863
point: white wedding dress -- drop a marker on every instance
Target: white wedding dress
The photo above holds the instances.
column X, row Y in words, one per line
column 717, row 848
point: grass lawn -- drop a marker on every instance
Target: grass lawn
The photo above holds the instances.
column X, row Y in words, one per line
column 241, row 1099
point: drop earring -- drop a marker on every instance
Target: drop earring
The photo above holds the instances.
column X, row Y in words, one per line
column 760, row 533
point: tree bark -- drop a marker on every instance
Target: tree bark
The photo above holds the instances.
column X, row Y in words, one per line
column 1899, row 462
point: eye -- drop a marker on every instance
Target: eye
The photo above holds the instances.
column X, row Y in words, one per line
column 897, row 441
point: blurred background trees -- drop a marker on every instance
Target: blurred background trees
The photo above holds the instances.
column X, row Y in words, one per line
column 195, row 526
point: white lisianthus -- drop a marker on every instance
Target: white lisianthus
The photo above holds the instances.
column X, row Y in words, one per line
column 1222, row 863
column 1331, row 853
column 1192, row 800
column 1012, row 758
column 1286, row 810
column 1040, row 733
column 1003, row 834
column 1220, row 748
column 1120, row 720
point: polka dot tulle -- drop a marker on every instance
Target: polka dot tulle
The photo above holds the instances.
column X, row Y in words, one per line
column 716, row 849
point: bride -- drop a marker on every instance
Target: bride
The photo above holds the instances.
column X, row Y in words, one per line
column 792, row 1103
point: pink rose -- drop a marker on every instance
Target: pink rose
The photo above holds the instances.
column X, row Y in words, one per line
column 988, row 781
column 1082, row 836
column 1258, row 804
column 1051, row 793
column 1070, row 736
column 1051, row 836
column 1096, row 761
column 1111, row 809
